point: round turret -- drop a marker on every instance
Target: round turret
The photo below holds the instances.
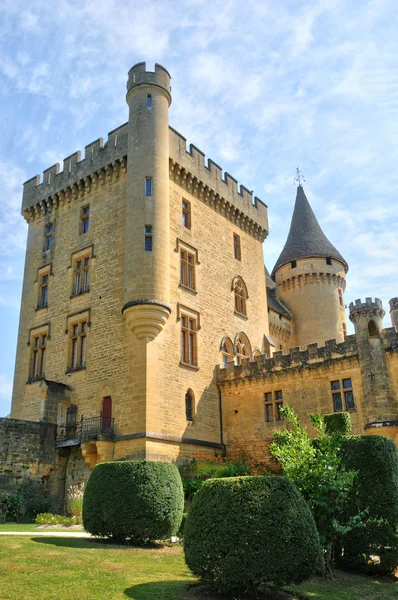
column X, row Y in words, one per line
column 394, row 312
column 146, row 282
column 310, row 279
column 367, row 317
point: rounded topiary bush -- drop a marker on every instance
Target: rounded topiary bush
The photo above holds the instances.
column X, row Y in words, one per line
column 248, row 533
column 133, row 500
column 373, row 546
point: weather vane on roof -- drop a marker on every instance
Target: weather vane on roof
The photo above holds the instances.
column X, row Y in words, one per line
column 299, row 179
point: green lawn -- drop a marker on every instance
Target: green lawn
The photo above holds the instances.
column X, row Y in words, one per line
column 26, row 527
column 44, row 568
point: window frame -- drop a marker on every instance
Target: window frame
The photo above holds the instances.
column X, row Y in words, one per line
column 237, row 247
column 84, row 219
column 81, row 274
column 48, row 237
column 78, row 330
column 187, row 269
column 148, row 187
column 186, row 212
column 273, row 402
column 38, row 341
column 189, row 409
column 189, row 345
column 240, row 297
column 341, row 391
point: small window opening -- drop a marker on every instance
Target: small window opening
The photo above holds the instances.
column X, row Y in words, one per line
column 344, row 329
column 84, row 219
column 186, row 214
column 115, row 139
column 328, row 261
column 341, row 300
column 372, row 328
column 70, row 166
column 148, row 238
column 148, row 186
column 293, row 264
column 149, row 101
column 189, row 406
column 237, row 249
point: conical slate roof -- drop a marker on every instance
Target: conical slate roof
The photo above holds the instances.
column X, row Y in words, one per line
column 306, row 238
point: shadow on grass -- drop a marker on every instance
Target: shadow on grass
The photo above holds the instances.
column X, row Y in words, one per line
column 98, row 543
column 159, row 590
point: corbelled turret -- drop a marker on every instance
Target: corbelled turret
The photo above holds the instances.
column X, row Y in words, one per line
column 310, row 279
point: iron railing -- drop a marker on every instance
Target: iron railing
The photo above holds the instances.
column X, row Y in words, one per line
column 88, row 429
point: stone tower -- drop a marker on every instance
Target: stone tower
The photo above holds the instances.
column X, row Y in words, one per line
column 378, row 399
column 310, row 279
column 394, row 312
column 146, row 280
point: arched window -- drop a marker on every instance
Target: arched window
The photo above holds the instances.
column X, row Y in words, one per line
column 256, row 354
column 240, row 295
column 107, row 414
column 189, row 405
column 372, row 328
column 227, row 352
column 242, row 347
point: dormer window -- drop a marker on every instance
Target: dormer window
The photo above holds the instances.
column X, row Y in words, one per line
column 328, row 261
column 293, row 264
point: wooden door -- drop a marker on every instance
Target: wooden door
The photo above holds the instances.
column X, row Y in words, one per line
column 107, row 414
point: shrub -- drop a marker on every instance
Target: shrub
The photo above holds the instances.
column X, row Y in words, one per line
column 375, row 490
column 247, row 533
column 12, row 507
column 74, row 500
column 339, row 422
column 50, row 519
column 34, row 496
column 134, row 500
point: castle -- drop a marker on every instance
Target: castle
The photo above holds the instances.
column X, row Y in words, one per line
column 149, row 328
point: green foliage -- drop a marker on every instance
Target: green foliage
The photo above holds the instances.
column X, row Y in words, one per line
column 191, row 486
column 74, row 500
column 29, row 498
column 375, row 491
column 138, row 501
column 338, row 422
column 50, row 519
column 315, row 468
column 248, row 533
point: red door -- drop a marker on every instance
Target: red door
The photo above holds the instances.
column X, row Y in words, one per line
column 107, row 414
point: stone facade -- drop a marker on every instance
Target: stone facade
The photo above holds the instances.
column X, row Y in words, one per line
column 147, row 324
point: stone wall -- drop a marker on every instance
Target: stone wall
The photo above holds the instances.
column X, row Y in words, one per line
column 27, row 449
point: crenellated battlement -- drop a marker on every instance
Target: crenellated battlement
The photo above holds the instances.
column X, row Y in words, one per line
column 100, row 161
column 188, row 169
column 368, row 308
column 297, row 358
column 138, row 76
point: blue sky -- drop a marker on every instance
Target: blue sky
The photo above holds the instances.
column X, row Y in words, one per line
column 260, row 86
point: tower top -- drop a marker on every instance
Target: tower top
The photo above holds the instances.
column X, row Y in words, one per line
column 369, row 308
column 139, row 77
column 306, row 238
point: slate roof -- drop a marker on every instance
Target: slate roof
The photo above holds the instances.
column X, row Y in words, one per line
column 276, row 305
column 306, row 238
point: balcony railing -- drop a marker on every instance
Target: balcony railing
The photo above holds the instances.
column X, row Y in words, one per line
column 88, row 429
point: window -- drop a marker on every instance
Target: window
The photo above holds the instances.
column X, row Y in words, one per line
column 189, row 404
column 43, row 291
column 293, row 264
column 84, row 219
column 342, row 395
column 186, row 214
column 149, row 101
column 269, row 409
column 187, row 269
column 78, row 337
column 328, row 261
column 148, row 238
column 240, row 294
column 341, row 300
column 242, row 348
column 344, row 329
column 38, row 356
column 148, row 186
column 237, row 250
column 82, row 276
column 372, row 328
column 188, row 340
column 48, row 237
column 273, row 402
column 227, row 352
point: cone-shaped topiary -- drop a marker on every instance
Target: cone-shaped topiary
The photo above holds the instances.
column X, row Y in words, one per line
column 133, row 500
column 248, row 533
column 373, row 546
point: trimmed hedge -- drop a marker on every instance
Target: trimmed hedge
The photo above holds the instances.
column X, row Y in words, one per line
column 338, row 422
column 375, row 489
column 248, row 533
column 137, row 501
